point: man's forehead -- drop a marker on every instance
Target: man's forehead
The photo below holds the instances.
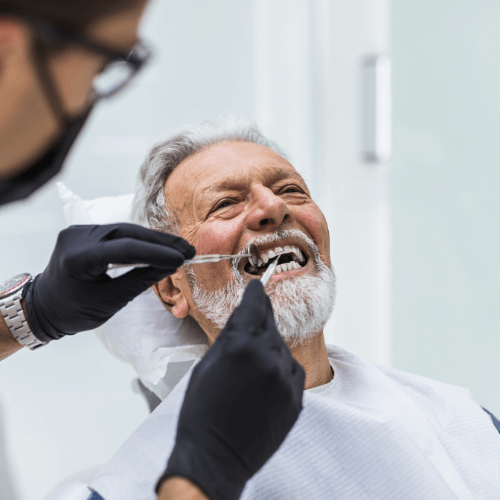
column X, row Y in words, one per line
column 241, row 179
column 228, row 166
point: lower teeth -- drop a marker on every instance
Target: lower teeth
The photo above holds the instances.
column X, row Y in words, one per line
column 261, row 270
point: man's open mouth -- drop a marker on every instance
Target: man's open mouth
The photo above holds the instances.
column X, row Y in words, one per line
column 292, row 257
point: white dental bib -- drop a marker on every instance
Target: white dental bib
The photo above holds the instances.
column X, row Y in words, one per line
column 372, row 433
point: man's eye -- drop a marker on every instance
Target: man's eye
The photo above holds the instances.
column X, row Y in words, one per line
column 222, row 204
column 291, row 189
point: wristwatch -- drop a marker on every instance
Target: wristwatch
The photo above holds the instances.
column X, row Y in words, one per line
column 11, row 292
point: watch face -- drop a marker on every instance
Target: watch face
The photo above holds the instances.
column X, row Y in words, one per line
column 13, row 284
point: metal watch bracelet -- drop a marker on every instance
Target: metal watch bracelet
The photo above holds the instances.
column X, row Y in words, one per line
column 13, row 314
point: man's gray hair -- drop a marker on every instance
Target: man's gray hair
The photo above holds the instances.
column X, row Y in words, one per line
column 150, row 207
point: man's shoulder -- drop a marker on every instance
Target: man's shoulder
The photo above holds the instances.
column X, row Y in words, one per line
column 409, row 380
column 402, row 377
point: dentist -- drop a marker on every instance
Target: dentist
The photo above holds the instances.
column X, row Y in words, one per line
column 58, row 59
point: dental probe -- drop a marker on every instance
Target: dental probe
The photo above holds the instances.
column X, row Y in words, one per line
column 199, row 259
column 270, row 270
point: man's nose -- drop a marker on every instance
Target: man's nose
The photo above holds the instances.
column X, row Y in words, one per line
column 269, row 211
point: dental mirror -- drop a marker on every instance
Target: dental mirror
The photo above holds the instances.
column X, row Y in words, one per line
column 270, row 270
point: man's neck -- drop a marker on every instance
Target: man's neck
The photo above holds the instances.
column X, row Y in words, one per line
column 313, row 358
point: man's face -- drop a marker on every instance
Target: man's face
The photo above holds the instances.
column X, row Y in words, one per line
column 233, row 194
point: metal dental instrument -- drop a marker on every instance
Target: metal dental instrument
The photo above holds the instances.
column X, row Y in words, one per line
column 270, row 270
column 199, row 259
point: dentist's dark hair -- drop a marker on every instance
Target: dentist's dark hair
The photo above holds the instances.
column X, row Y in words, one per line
column 70, row 15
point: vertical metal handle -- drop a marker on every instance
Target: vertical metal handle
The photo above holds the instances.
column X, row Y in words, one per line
column 377, row 96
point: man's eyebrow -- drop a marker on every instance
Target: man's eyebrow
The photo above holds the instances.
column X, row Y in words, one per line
column 283, row 173
column 222, row 186
column 231, row 185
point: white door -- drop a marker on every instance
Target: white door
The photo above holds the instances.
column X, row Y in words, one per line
column 322, row 91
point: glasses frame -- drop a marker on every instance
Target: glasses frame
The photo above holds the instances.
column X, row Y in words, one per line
column 54, row 37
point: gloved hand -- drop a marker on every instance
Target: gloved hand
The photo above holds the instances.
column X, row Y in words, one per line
column 243, row 398
column 74, row 293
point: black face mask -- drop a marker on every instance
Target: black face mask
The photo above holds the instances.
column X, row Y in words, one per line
column 24, row 183
column 48, row 38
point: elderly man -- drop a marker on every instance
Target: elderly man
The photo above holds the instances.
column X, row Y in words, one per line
column 366, row 431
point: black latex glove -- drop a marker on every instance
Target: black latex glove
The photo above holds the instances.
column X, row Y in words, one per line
column 74, row 293
column 242, row 400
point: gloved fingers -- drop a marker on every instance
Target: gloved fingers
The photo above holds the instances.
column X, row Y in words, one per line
column 281, row 355
column 127, row 251
column 141, row 279
column 250, row 315
column 275, row 347
column 126, row 230
column 270, row 334
column 245, row 323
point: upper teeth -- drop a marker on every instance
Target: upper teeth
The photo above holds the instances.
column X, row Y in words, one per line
column 271, row 253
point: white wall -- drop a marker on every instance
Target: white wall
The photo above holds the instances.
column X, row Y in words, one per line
column 445, row 178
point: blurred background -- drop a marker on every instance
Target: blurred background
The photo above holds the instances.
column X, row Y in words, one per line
column 412, row 206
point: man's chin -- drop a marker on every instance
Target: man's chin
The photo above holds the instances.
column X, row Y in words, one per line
column 303, row 305
column 300, row 340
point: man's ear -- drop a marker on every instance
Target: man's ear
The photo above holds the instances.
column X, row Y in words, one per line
column 172, row 297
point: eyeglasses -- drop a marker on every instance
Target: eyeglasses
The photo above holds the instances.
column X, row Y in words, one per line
column 120, row 66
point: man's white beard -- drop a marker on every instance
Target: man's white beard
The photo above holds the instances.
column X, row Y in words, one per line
column 302, row 305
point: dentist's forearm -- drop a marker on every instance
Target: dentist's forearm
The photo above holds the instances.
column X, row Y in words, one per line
column 8, row 344
column 178, row 488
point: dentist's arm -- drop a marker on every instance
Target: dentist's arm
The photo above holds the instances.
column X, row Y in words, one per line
column 75, row 294
column 243, row 398
column 8, row 344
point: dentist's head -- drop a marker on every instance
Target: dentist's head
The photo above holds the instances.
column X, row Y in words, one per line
column 57, row 58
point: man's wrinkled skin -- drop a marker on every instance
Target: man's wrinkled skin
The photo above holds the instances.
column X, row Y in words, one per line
column 223, row 197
